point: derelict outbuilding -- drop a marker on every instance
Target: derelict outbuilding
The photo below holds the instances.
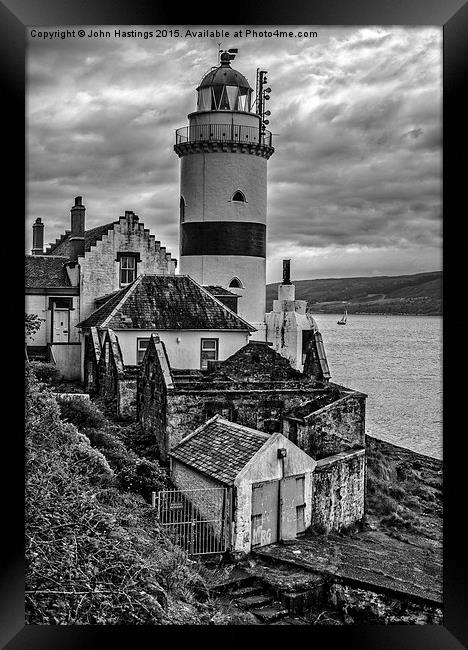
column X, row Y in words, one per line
column 266, row 481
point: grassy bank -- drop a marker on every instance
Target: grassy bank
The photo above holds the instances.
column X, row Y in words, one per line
column 95, row 553
column 404, row 491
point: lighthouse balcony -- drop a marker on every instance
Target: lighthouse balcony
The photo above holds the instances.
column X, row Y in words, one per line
column 223, row 133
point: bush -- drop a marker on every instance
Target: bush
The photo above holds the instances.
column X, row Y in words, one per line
column 45, row 372
column 93, row 555
column 82, row 413
column 138, row 475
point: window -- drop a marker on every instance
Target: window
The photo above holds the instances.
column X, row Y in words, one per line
column 238, row 196
column 235, row 284
column 182, row 209
column 209, row 352
column 127, row 269
column 142, row 344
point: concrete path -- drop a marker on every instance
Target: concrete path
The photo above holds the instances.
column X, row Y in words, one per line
column 370, row 559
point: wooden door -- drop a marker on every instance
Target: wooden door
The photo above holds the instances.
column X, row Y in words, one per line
column 61, row 325
column 264, row 528
column 292, row 506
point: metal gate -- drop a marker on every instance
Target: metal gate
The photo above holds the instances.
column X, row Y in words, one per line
column 197, row 520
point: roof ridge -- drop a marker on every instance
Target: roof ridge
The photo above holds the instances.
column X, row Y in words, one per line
column 128, row 292
column 249, row 325
column 236, row 425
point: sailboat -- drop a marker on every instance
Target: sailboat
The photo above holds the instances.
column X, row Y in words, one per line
column 344, row 318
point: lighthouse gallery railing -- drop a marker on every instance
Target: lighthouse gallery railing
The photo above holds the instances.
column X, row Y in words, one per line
column 223, row 133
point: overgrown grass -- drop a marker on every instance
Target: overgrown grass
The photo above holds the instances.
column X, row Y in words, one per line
column 95, row 553
column 399, row 492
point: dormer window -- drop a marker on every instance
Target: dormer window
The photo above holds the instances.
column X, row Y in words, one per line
column 238, row 196
column 128, row 267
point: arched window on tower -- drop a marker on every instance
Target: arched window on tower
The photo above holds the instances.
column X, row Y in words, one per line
column 236, row 284
column 182, row 209
column 238, row 196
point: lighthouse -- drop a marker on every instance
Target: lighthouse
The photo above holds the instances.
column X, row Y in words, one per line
column 223, row 154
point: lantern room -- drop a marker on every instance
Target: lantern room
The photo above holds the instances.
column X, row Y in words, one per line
column 224, row 89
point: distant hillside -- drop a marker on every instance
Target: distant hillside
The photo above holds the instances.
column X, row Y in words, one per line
column 420, row 293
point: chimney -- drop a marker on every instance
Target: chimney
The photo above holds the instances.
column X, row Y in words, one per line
column 77, row 240
column 286, row 272
column 38, row 237
column 287, row 290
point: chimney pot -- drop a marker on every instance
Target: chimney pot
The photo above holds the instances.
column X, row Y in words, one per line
column 78, row 200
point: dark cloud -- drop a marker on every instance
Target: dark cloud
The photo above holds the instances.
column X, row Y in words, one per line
column 354, row 184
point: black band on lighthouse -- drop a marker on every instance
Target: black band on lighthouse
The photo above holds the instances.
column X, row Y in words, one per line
column 223, row 238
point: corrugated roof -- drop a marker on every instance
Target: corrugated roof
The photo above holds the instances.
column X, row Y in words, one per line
column 44, row 271
column 220, row 449
column 165, row 302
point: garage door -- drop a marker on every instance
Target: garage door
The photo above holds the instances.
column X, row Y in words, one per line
column 264, row 513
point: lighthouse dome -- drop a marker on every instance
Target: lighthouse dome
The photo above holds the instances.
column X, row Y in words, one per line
column 224, row 88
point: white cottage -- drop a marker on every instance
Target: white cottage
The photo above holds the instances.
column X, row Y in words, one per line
column 194, row 325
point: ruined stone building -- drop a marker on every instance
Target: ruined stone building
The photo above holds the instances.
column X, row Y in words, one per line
column 257, row 390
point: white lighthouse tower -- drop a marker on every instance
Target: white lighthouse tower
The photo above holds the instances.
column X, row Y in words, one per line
column 223, row 187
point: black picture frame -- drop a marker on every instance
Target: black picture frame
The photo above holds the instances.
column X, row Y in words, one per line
column 15, row 16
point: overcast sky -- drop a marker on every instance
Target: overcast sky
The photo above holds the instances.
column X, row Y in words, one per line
column 354, row 186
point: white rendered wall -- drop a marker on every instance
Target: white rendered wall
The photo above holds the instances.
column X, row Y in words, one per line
column 221, row 269
column 100, row 272
column 38, row 304
column 209, row 180
column 186, row 353
column 266, row 466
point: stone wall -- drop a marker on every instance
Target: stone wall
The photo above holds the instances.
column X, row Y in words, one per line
column 209, row 504
column 92, row 353
column 152, row 386
column 338, row 427
column 257, row 409
column 127, row 395
column 100, row 267
column 339, row 490
column 367, row 606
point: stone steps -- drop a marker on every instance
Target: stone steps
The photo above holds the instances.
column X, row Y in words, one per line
column 270, row 613
column 254, row 601
column 250, row 590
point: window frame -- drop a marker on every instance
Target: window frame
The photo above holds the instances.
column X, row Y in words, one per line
column 235, row 279
column 138, row 349
column 243, row 200
column 124, row 255
column 182, row 206
column 215, row 350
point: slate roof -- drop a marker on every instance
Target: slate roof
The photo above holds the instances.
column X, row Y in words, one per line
column 63, row 247
column 44, row 272
column 165, row 302
column 220, row 449
column 216, row 290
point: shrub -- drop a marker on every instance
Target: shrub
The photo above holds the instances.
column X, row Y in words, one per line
column 402, row 519
column 82, row 413
column 92, row 554
column 47, row 373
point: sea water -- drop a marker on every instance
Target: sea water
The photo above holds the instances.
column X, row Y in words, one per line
column 397, row 362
